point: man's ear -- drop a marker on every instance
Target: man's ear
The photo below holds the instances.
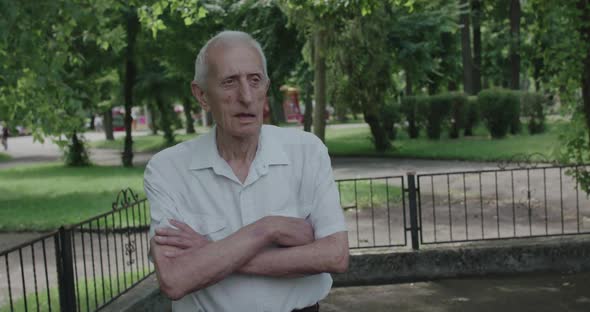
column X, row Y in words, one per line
column 267, row 85
column 199, row 94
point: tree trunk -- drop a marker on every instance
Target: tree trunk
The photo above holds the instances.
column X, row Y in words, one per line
column 108, row 124
column 514, row 44
column 466, row 49
column 92, row 123
column 409, row 85
column 379, row 134
column 188, row 114
column 319, row 120
column 130, row 73
column 476, row 20
column 165, row 120
column 584, row 7
column 76, row 155
column 307, row 115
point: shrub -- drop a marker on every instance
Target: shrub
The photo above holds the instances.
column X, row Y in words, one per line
column 471, row 115
column 533, row 108
column 458, row 103
column 390, row 115
column 436, row 110
column 500, row 111
column 410, row 107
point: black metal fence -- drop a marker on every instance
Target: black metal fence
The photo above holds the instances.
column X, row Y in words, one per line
column 527, row 201
column 81, row 267
column 502, row 204
column 85, row 266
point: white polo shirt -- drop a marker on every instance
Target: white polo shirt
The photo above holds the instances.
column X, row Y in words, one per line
column 291, row 175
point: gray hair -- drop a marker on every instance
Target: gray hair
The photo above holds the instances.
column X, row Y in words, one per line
column 201, row 66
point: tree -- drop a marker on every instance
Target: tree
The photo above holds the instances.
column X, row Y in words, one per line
column 476, row 21
column 49, row 50
column 466, row 48
column 514, row 44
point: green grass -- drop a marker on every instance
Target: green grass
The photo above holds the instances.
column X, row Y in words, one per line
column 364, row 194
column 4, row 157
column 87, row 299
column 148, row 143
column 45, row 197
column 358, row 142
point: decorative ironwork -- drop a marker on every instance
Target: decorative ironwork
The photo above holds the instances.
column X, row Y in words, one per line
column 124, row 198
column 130, row 249
column 527, row 161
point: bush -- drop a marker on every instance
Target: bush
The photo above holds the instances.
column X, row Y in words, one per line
column 533, row 108
column 436, row 110
column 459, row 109
column 500, row 110
column 471, row 115
column 410, row 108
column 390, row 115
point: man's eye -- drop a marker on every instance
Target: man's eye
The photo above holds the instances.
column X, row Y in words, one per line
column 228, row 82
column 255, row 80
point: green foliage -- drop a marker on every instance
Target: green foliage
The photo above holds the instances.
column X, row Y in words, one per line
column 499, row 109
column 533, row 108
column 410, row 108
column 436, row 111
column 480, row 147
column 471, row 115
column 390, row 116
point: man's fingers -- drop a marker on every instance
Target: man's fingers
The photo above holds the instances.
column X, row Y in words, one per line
column 166, row 231
column 183, row 226
column 174, row 253
column 175, row 241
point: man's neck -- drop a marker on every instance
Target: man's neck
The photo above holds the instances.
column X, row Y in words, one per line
column 237, row 152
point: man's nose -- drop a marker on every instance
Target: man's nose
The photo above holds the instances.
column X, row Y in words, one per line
column 245, row 93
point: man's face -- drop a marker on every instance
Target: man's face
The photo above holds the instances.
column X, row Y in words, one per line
column 236, row 89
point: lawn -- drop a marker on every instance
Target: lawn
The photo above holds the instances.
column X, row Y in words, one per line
column 148, row 143
column 48, row 196
column 91, row 293
column 4, row 157
column 357, row 141
column 480, row 147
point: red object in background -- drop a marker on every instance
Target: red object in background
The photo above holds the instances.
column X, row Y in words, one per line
column 291, row 104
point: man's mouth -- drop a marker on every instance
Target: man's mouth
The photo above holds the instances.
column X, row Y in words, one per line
column 245, row 115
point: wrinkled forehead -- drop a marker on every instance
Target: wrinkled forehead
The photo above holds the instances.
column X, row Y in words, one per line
column 227, row 58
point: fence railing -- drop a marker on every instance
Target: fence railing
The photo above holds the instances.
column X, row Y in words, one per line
column 85, row 266
column 502, row 204
column 81, row 267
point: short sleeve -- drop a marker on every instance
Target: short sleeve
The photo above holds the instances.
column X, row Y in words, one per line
column 162, row 205
column 326, row 215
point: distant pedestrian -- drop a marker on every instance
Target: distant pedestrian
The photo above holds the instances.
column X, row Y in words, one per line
column 5, row 134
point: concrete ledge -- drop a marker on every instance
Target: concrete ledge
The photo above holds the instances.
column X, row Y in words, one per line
column 565, row 254
column 387, row 266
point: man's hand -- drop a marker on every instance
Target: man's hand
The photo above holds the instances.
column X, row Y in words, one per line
column 176, row 241
column 289, row 231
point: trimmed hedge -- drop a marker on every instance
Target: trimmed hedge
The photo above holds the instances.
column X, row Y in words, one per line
column 436, row 109
column 533, row 108
column 471, row 115
column 500, row 111
column 390, row 115
column 411, row 109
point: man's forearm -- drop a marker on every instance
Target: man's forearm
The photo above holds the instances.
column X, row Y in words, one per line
column 329, row 254
column 201, row 267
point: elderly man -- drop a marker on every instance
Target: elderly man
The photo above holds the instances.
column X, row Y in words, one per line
column 245, row 217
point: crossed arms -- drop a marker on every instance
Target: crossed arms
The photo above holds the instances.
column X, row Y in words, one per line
column 272, row 246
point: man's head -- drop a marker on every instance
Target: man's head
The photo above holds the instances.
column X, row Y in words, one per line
column 231, row 82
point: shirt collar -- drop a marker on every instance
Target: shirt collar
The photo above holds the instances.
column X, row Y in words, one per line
column 270, row 151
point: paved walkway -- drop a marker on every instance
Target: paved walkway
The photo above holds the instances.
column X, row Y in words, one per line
column 548, row 292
